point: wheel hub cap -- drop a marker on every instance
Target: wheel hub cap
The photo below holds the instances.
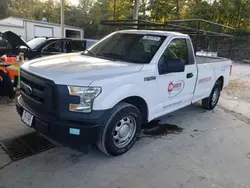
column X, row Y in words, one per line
column 215, row 96
column 124, row 131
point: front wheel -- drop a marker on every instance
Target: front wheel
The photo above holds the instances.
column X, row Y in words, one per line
column 121, row 130
column 210, row 102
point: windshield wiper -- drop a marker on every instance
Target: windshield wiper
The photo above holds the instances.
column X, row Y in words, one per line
column 93, row 53
column 115, row 56
column 120, row 57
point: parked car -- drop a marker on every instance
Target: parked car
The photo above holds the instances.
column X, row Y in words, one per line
column 105, row 94
column 12, row 44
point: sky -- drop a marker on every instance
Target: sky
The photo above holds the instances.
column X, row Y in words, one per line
column 74, row 2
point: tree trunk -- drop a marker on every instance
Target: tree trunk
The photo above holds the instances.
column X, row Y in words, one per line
column 177, row 9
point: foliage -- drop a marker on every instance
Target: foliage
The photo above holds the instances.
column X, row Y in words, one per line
column 4, row 8
column 88, row 13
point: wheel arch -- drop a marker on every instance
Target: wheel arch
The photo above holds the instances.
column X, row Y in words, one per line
column 220, row 80
column 141, row 104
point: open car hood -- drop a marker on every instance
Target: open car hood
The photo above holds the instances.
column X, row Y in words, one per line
column 13, row 39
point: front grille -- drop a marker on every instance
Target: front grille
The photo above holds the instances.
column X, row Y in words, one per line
column 36, row 91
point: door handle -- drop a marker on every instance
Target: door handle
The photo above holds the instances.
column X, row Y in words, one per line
column 190, row 75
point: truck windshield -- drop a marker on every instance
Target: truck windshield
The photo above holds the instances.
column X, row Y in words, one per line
column 134, row 48
column 36, row 42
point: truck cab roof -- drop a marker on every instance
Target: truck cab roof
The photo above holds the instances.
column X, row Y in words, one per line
column 153, row 32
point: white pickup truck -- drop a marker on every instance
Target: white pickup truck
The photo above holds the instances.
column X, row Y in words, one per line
column 105, row 94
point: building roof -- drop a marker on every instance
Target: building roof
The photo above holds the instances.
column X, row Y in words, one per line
column 5, row 22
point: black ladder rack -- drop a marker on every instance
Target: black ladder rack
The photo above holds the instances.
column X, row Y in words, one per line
column 193, row 27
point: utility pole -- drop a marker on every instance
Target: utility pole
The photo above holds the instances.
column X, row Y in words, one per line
column 62, row 18
column 136, row 9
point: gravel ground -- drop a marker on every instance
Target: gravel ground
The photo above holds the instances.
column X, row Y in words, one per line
column 210, row 149
column 236, row 97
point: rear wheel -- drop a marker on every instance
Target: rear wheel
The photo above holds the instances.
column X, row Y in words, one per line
column 121, row 130
column 210, row 102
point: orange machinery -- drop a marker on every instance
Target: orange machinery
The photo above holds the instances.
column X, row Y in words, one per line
column 12, row 67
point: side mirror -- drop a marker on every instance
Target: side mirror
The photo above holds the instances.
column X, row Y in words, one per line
column 23, row 49
column 172, row 65
column 176, row 65
column 44, row 50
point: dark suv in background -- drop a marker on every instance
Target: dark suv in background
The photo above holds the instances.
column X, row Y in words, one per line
column 11, row 44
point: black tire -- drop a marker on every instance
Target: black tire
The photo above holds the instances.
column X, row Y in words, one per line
column 106, row 142
column 209, row 103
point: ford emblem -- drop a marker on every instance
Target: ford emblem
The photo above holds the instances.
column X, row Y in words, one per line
column 28, row 89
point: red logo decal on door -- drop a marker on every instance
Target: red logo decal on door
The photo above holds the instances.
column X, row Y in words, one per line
column 170, row 86
column 175, row 88
column 207, row 79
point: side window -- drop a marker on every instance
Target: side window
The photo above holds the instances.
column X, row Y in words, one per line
column 177, row 49
column 150, row 46
column 77, row 46
column 56, row 46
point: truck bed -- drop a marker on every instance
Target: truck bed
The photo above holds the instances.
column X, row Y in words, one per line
column 209, row 59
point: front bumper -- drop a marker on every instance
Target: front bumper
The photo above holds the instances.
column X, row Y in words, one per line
column 59, row 128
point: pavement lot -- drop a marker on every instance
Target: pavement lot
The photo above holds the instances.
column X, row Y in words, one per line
column 212, row 151
column 236, row 97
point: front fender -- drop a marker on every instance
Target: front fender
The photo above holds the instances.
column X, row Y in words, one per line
column 107, row 99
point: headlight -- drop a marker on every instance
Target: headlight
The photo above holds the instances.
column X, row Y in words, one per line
column 87, row 96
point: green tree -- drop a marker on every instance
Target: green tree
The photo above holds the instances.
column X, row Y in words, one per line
column 89, row 13
column 4, row 8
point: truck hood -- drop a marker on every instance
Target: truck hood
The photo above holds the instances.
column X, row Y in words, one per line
column 13, row 39
column 78, row 69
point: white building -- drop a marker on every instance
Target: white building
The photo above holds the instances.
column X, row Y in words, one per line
column 29, row 29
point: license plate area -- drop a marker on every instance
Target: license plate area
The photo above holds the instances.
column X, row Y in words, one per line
column 27, row 118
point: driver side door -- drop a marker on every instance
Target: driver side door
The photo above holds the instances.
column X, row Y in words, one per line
column 175, row 89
